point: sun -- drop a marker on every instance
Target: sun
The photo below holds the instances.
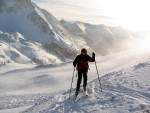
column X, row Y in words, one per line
column 145, row 44
column 135, row 21
column 131, row 14
column 136, row 18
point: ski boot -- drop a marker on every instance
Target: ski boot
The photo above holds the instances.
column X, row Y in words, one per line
column 86, row 93
column 76, row 94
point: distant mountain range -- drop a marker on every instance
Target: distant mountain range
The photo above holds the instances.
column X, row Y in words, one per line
column 103, row 39
column 29, row 34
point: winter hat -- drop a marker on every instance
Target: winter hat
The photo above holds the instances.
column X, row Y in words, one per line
column 83, row 50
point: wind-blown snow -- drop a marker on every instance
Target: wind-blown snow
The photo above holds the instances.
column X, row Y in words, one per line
column 124, row 91
column 103, row 39
column 125, row 83
column 31, row 36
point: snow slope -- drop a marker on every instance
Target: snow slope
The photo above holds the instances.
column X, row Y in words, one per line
column 15, row 48
column 45, row 89
column 125, row 82
column 124, row 91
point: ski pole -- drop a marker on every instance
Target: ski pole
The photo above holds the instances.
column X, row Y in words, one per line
column 71, row 83
column 98, row 77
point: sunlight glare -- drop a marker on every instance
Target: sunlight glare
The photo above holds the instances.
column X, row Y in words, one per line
column 146, row 43
column 130, row 14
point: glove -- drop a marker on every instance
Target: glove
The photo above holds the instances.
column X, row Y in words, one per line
column 93, row 54
column 74, row 64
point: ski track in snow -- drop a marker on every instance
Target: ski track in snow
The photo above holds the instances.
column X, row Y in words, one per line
column 124, row 91
column 121, row 94
column 45, row 89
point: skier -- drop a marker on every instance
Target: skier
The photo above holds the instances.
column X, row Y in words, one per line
column 81, row 64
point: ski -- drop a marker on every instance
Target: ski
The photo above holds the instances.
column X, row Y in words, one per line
column 146, row 111
column 75, row 97
column 81, row 95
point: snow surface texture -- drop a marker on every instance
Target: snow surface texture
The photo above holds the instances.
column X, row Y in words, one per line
column 126, row 87
column 45, row 89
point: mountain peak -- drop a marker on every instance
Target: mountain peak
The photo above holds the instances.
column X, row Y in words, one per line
column 38, row 25
column 19, row 1
column 14, row 5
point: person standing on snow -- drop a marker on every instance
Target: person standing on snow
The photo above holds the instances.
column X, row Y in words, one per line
column 81, row 64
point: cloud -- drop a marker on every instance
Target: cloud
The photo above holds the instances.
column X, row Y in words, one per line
column 130, row 14
column 76, row 10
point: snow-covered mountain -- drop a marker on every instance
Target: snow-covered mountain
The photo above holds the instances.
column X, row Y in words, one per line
column 15, row 48
column 37, row 36
column 103, row 39
column 30, row 35
column 38, row 25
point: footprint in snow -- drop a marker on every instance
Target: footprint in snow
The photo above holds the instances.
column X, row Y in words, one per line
column 140, row 65
column 146, row 85
column 146, row 111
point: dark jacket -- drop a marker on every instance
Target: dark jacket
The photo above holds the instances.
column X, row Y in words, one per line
column 82, row 61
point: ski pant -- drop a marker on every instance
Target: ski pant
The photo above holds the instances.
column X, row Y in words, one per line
column 80, row 74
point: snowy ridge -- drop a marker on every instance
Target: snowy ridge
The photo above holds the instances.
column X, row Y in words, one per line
column 126, row 90
column 38, row 25
column 103, row 39
column 30, row 35
column 24, row 51
column 15, row 48
column 64, row 39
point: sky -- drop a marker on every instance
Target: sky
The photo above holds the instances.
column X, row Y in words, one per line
column 131, row 14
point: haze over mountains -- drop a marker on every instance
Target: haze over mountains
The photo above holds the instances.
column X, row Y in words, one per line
column 25, row 27
column 31, row 38
column 103, row 39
